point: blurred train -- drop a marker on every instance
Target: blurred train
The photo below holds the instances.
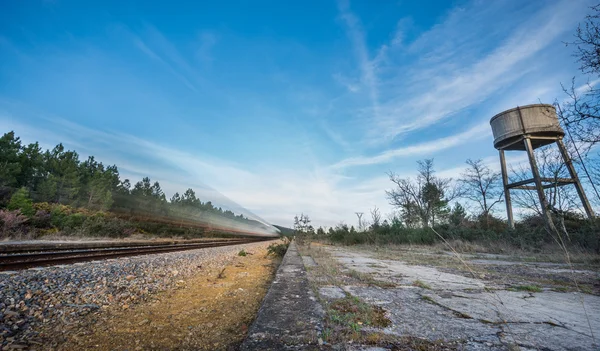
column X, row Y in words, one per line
column 212, row 224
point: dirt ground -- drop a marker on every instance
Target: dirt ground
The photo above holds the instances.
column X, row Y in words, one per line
column 211, row 311
column 435, row 300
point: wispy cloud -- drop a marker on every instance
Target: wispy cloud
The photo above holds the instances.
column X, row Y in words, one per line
column 357, row 35
column 158, row 48
column 456, row 68
column 475, row 133
column 207, row 40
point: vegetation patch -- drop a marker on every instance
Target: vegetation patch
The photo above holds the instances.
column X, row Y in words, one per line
column 411, row 343
column 428, row 298
column 368, row 279
column 351, row 313
column 55, row 192
column 421, row 284
column 529, row 288
column 278, row 250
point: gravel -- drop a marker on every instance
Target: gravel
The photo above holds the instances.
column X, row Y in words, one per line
column 39, row 305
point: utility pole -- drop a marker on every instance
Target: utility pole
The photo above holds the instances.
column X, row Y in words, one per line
column 359, row 215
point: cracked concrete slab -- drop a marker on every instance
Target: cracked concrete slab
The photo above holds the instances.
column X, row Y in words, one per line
column 402, row 273
column 480, row 313
column 332, row 292
column 308, row 261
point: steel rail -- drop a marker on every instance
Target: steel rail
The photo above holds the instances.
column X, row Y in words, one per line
column 44, row 258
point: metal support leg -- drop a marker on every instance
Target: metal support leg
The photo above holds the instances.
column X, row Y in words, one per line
column 571, row 168
column 509, row 212
column 538, row 184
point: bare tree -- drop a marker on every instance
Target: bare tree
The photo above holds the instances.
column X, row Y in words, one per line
column 482, row 186
column 580, row 113
column 587, row 39
column 424, row 200
column 304, row 230
column 375, row 218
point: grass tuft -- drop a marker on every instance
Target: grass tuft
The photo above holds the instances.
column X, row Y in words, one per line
column 529, row 288
column 421, row 284
column 352, row 313
column 369, row 280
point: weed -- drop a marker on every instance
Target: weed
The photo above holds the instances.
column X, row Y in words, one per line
column 352, row 312
column 326, row 334
column 278, row 250
column 427, row 298
column 375, row 265
column 530, row 288
column 368, row 279
column 242, row 253
column 462, row 315
column 421, row 284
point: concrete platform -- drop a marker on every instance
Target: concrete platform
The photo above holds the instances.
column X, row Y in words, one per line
column 290, row 317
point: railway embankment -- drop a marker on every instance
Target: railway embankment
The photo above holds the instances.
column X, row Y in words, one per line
column 44, row 308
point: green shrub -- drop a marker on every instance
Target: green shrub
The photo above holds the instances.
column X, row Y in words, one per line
column 58, row 218
column 278, row 250
column 242, row 253
column 530, row 233
column 20, row 201
column 106, row 226
column 74, row 221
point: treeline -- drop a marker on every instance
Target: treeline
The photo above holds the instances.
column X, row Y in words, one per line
column 424, row 214
column 466, row 208
column 529, row 234
column 67, row 186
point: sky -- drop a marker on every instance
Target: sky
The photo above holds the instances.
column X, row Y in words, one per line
column 283, row 107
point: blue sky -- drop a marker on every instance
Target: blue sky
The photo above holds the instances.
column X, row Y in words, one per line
column 284, row 107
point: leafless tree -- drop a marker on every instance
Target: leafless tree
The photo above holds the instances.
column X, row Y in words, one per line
column 303, row 229
column 375, row 217
column 580, row 113
column 587, row 40
column 423, row 200
column 481, row 185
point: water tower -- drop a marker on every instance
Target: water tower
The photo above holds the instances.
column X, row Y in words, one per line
column 526, row 128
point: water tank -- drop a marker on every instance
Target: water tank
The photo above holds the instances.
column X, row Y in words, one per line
column 539, row 121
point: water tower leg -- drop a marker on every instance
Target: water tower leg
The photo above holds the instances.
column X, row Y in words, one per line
column 509, row 212
column 540, row 190
column 571, row 168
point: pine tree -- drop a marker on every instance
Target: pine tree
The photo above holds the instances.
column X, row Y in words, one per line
column 20, row 201
column 10, row 166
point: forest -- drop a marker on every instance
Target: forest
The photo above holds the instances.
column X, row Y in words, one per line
column 53, row 191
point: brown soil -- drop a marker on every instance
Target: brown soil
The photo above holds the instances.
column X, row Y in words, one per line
column 211, row 311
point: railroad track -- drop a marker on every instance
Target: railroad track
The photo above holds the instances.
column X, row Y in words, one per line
column 24, row 256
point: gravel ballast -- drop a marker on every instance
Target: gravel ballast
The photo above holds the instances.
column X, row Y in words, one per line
column 38, row 306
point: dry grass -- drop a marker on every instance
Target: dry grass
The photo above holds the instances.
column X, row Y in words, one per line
column 211, row 311
column 421, row 284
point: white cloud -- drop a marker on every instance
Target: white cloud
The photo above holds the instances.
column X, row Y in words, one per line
column 477, row 132
column 207, row 40
column 453, row 72
column 358, row 38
